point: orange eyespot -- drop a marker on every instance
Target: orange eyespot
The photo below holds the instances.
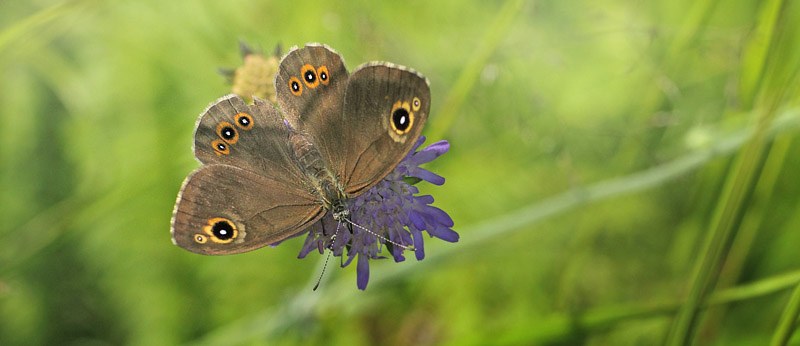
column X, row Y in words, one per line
column 244, row 121
column 416, row 104
column 309, row 76
column 402, row 118
column 324, row 76
column 200, row 238
column 295, row 86
column 221, row 230
column 220, row 147
column 227, row 132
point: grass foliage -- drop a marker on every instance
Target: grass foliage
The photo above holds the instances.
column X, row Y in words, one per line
column 620, row 172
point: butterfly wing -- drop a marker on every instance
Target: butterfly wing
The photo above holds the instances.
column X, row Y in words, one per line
column 252, row 137
column 363, row 123
column 223, row 209
column 310, row 87
column 387, row 106
column 251, row 191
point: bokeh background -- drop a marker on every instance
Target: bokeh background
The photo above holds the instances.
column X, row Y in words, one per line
column 620, row 173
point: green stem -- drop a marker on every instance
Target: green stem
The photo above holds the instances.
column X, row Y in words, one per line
column 693, row 23
column 36, row 20
column 756, row 51
column 786, row 325
column 750, row 226
column 469, row 75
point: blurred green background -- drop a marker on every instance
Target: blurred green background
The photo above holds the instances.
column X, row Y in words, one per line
column 620, row 172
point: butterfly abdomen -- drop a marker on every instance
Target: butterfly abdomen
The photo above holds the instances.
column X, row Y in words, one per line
column 308, row 157
column 323, row 180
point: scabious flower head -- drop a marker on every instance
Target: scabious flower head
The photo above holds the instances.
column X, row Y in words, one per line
column 393, row 209
column 256, row 75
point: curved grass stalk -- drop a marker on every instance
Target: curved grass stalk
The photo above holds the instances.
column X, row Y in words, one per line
column 36, row 20
column 559, row 328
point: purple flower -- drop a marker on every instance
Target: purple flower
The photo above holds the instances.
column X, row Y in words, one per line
column 391, row 209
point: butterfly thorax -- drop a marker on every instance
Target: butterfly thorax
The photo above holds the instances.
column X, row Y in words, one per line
column 323, row 180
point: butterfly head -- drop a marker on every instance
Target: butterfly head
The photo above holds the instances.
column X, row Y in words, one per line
column 340, row 210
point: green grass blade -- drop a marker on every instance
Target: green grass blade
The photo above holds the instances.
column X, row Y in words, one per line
column 38, row 19
column 755, row 53
column 729, row 212
column 786, row 325
column 751, row 224
column 469, row 75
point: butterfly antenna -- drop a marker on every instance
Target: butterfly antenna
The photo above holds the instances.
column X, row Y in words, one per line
column 330, row 247
column 411, row 248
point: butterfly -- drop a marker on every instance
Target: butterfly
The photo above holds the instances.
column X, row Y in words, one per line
column 268, row 174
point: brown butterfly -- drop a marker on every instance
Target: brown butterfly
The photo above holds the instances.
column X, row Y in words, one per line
column 263, row 181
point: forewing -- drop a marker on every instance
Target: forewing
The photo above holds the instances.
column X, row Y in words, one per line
column 251, row 137
column 310, row 87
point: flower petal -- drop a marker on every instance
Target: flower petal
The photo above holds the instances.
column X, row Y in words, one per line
column 309, row 245
column 416, row 220
column 426, row 175
column 392, row 215
column 440, row 216
column 419, row 244
column 362, row 272
column 444, row 233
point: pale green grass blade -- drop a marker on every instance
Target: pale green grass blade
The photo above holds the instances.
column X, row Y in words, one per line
column 788, row 321
column 469, row 75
